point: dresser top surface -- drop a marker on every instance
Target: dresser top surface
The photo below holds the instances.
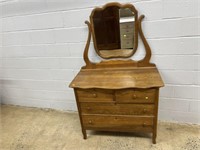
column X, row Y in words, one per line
column 118, row 78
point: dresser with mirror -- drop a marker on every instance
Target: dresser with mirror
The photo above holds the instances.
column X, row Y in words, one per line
column 117, row 94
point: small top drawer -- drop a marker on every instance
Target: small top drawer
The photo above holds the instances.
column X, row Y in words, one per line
column 136, row 96
column 94, row 95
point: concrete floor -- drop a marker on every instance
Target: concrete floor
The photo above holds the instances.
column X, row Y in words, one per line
column 38, row 129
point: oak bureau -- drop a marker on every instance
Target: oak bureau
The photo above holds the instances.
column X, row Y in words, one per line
column 117, row 94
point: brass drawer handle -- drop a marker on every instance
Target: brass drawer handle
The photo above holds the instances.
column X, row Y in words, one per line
column 94, row 95
column 134, row 96
column 146, row 97
column 88, row 108
column 90, row 122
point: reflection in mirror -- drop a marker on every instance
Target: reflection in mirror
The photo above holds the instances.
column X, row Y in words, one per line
column 114, row 30
column 106, row 28
column 126, row 28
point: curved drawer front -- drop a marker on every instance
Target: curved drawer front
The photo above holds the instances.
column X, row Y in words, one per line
column 117, row 122
column 117, row 109
column 95, row 95
column 136, row 96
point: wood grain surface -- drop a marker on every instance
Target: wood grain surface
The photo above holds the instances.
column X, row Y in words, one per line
column 119, row 78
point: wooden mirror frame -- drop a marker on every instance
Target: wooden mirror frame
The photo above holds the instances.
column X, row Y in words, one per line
column 121, row 53
column 145, row 62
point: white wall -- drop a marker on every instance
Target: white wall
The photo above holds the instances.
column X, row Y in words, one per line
column 1, row 74
column 43, row 42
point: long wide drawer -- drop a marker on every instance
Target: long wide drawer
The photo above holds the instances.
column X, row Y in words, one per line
column 117, row 123
column 117, row 109
column 95, row 95
column 136, row 96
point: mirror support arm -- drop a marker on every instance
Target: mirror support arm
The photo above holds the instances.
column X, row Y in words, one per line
column 146, row 60
column 89, row 64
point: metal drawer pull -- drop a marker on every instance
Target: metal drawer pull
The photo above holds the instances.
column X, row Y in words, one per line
column 146, row 97
column 94, row 95
column 134, row 96
column 90, row 122
column 88, row 108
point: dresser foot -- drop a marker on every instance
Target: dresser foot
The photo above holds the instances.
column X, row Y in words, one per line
column 154, row 139
column 84, row 134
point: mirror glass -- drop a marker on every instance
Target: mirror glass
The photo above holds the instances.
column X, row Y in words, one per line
column 114, row 29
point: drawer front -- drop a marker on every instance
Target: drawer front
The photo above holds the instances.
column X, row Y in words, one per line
column 117, row 109
column 127, row 36
column 136, row 96
column 126, row 30
column 95, row 95
column 127, row 43
column 105, row 122
column 127, row 25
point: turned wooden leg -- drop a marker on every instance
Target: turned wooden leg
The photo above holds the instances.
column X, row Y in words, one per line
column 84, row 134
column 154, row 138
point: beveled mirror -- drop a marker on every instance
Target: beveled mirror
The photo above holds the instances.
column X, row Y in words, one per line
column 114, row 30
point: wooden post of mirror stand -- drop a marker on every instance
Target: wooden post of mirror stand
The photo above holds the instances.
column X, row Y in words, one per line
column 88, row 63
column 146, row 60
